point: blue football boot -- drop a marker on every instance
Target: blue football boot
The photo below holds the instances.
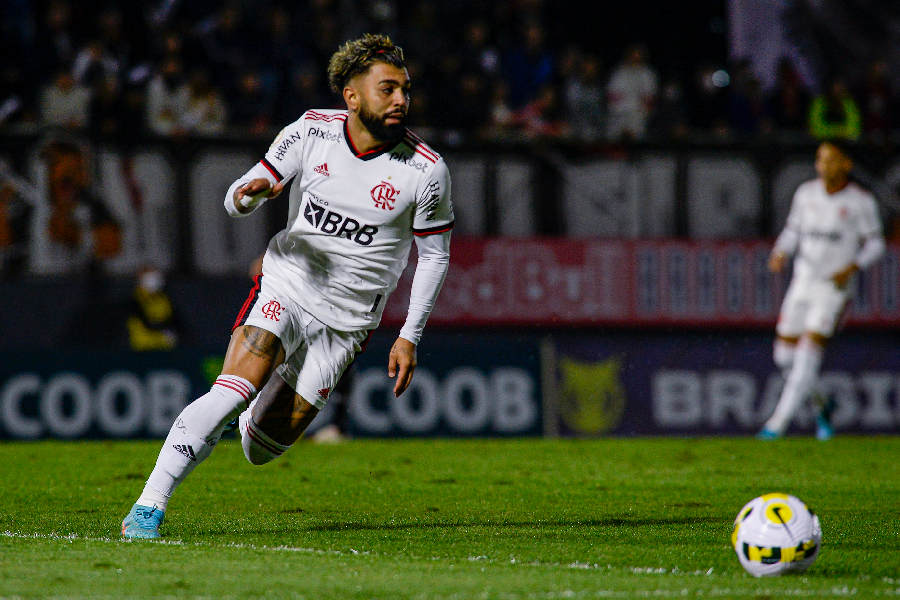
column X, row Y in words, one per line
column 768, row 435
column 142, row 522
column 824, row 429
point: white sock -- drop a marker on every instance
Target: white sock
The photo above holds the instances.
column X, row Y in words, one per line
column 258, row 447
column 783, row 353
column 800, row 381
column 194, row 434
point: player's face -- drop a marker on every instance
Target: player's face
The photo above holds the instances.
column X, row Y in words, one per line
column 832, row 165
column 384, row 101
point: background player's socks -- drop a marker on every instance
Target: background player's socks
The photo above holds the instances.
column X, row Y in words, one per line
column 784, row 353
column 259, row 448
column 807, row 360
column 196, row 432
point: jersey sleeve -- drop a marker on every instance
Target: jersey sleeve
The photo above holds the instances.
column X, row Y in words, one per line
column 434, row 211
column 869, row 221
column 284, row 158
column 789, row 238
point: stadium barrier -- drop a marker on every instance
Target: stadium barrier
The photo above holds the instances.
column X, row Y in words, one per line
column 483, row 385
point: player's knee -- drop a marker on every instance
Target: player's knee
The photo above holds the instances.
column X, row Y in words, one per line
column 783, row 354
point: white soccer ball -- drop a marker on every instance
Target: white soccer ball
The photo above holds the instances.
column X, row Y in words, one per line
column 775, row 534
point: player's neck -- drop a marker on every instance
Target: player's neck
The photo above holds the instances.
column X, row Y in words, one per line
column 834, row 186
column 361, row 138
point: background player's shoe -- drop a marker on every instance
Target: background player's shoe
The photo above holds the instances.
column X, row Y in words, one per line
column 768, row 435
column 142, row 522
column 824, row 430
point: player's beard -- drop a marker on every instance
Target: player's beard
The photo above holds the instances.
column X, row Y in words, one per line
column 380, row 130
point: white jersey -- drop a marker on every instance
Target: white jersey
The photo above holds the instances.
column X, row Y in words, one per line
column 352, row 216
column 830, row 228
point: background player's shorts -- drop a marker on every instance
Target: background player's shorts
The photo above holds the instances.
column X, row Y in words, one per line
column 315, row 354
column 811, row 306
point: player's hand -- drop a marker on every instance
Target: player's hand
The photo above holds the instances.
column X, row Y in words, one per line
column 842, row 277
column 402, row 364
column 252, row 189
column 777, row 260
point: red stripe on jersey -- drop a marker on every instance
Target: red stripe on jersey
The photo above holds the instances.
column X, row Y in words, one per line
column 417, row 146
column 433, row 230
column 314, row 116
column 271, row 170
column 419, row 140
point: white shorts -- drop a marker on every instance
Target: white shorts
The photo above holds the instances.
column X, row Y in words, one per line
column 811, row 306
column 315, row 354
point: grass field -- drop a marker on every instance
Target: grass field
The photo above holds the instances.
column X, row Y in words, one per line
column 646, row 518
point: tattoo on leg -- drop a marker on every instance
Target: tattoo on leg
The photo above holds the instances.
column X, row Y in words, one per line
column 261, row 343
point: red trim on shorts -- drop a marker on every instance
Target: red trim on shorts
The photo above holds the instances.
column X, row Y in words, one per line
column 248, row 304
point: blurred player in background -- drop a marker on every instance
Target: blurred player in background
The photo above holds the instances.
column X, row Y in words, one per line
column 833, row 230
column 364, row 188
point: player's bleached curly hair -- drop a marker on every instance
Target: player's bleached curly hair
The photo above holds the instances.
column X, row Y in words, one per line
column 357, row 56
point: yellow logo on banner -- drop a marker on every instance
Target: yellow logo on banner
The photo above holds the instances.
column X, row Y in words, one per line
column 591, row 395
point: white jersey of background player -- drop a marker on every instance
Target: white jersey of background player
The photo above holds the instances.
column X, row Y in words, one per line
column 364, row 188
column 833, row 230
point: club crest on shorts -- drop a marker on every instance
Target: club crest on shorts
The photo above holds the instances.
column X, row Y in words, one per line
column 384, row 195
column 324, row 393
column 272, row 310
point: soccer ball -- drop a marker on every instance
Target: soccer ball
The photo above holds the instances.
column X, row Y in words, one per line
column 776, row 534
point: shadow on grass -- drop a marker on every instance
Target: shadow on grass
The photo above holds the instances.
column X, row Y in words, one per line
column 609, row 522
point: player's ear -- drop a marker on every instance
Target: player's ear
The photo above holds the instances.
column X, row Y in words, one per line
column 351, row 98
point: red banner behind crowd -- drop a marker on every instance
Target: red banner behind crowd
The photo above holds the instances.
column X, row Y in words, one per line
column 541, row 282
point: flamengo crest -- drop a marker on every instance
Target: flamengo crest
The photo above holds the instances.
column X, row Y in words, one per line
column 384, row 195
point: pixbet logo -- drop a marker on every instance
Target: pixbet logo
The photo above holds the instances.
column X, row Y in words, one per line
column 336, row 224
column 328, row 136
column 384, row 195
column 272, row 310
column 408, row 161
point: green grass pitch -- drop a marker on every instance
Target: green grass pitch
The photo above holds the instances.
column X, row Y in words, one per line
column 448, row 519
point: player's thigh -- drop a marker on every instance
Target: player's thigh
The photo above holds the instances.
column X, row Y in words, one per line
column 825, row 311
column 316, row 366
column 253, row 353
column 792, row 316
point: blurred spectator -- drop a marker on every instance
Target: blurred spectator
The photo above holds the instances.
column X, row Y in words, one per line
column 670, row 120
column 205, row 113
column 56, row 43
column 583, row 97
column 227, row 42
column 746, row 105
column 631, row 95
column 501, row 113
column 543, row 116
column 107, row 107
column 708, row 101
column 65, row 103
column 168, row 99
column 477, row 55
column 94, row 65
column 305, row 90
column 424, row 37
column 282, row 52
column 251, row 108
column 877, row 101
column 835, row 114
column 152, row 322
column 16, row 94
column 787, row 105
column 529, row 66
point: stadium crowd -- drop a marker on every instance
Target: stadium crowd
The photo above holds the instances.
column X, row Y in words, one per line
column 489, row 71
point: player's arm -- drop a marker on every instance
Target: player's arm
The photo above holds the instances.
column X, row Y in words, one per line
column 267, row 178
column 789, row 239
column 871, row 249
column 431, row 270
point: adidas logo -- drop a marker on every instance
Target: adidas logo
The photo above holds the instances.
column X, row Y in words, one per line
column 324, row 393
column 186, row 450
column 322, row 170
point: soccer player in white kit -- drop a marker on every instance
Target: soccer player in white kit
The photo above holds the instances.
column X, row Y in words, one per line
column 833, row 230
column 364, row 188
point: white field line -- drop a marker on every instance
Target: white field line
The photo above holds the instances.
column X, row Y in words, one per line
column 837, row 592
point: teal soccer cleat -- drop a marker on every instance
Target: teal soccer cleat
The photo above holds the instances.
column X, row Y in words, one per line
column 142, row 522
column 767, row 435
